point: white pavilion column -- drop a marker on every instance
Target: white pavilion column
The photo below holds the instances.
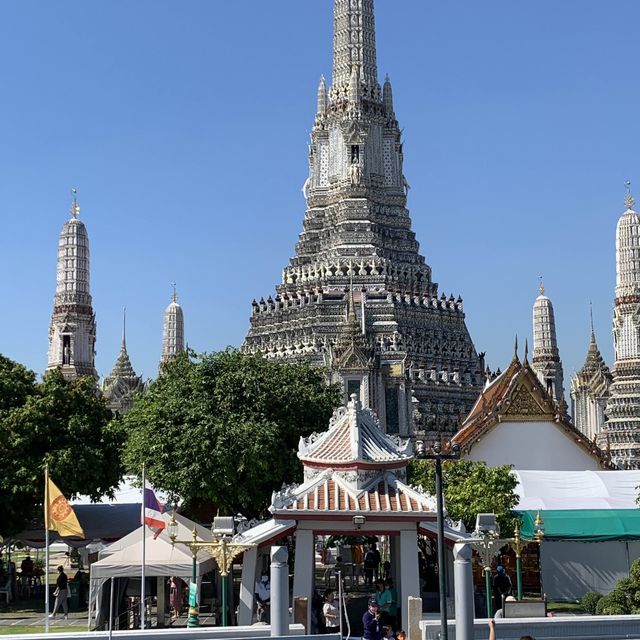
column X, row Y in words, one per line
column 303, row 572
column 409, row 573
column 247, row 586
column 463, row 576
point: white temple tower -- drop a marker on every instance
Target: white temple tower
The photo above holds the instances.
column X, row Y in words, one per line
column 72, row 332
column 403, row 346
column 546, row 360
column 172, row 329
column 621, row 432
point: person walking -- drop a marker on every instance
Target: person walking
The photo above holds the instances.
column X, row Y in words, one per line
column 61, row 593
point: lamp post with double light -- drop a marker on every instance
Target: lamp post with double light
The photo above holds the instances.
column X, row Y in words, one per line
column 222, row 549
column 487, row 542
column 438, row 455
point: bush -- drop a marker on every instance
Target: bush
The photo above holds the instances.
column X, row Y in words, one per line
column 590, row 601
column 609, row 605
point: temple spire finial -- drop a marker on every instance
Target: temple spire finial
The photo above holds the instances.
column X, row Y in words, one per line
column 174, row 295
column 322, row 97
column 124, row 327
column 75, row 207
column 354, row 42
column 593, row 333
column 541, row 285
column 628, row 201
column 515, row 348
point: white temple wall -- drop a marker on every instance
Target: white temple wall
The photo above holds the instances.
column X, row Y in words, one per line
column 532, row 445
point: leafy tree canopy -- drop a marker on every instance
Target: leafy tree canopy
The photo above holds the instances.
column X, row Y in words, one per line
column 66, row 425
column 16, row 384
column 470, row 488
column 223, row 428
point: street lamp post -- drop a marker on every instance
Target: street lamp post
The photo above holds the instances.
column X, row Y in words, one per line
column 438, row 455
column 223, row 552
column 488, row 541
column 517, row 544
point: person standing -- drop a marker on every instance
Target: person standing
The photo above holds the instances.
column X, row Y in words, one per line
column 383, row 598
column 393, row 606
column 330, row 612
column 175, row 597
column 501, row 587
column 263, row 597
column 371, row 622
column 61, row 593
column 371, row 560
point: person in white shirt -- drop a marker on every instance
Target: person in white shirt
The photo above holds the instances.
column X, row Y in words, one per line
column 330, row 612
column 263, row 598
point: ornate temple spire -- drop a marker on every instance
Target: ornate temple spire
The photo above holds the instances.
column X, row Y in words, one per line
column 322, row 97
column 546, row 359
column 122, row 384
column 354, row 43
column 387, row 95
column 173, row 329
column 72, row 332
column 590, row 389
column 628, row 250
column 623, row 407
column 357, row 233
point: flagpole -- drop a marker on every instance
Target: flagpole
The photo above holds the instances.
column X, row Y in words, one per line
column 46, row 548
column 144, row 532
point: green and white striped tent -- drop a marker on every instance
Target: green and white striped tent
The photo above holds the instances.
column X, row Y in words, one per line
column 591, row 526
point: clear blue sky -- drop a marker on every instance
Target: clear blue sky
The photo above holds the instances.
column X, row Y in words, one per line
column 184, row 126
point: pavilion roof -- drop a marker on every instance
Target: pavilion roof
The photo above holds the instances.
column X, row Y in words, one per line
column 354, row 437
column 331, row 494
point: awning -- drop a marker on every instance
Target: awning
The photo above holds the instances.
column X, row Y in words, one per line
column 586, row 525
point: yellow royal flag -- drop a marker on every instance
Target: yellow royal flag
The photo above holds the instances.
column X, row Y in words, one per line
column 59, row 515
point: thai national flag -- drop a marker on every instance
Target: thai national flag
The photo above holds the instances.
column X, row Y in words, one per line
column 153, row 511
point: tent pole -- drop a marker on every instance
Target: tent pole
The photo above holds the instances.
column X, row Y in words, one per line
column 111, row 610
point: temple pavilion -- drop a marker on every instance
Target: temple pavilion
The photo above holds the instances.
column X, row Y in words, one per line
column 354, row 484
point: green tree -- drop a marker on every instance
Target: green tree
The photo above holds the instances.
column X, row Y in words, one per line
column 17, row 383
column 223, row 428
column 64, row 424
column 470, row 488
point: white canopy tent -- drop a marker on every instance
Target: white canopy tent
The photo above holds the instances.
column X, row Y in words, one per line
column 592, row 532
column 123, row 559
column 577, row 490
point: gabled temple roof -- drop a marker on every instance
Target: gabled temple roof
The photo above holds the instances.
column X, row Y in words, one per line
column 354, row 439
column 329, row 494
column 517, row 394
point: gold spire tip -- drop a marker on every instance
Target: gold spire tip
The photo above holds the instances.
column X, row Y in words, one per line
column 75, row 207
column 541, row 286
column 628, row 201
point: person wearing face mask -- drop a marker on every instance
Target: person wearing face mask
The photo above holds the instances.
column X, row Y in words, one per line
column 263, row 598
